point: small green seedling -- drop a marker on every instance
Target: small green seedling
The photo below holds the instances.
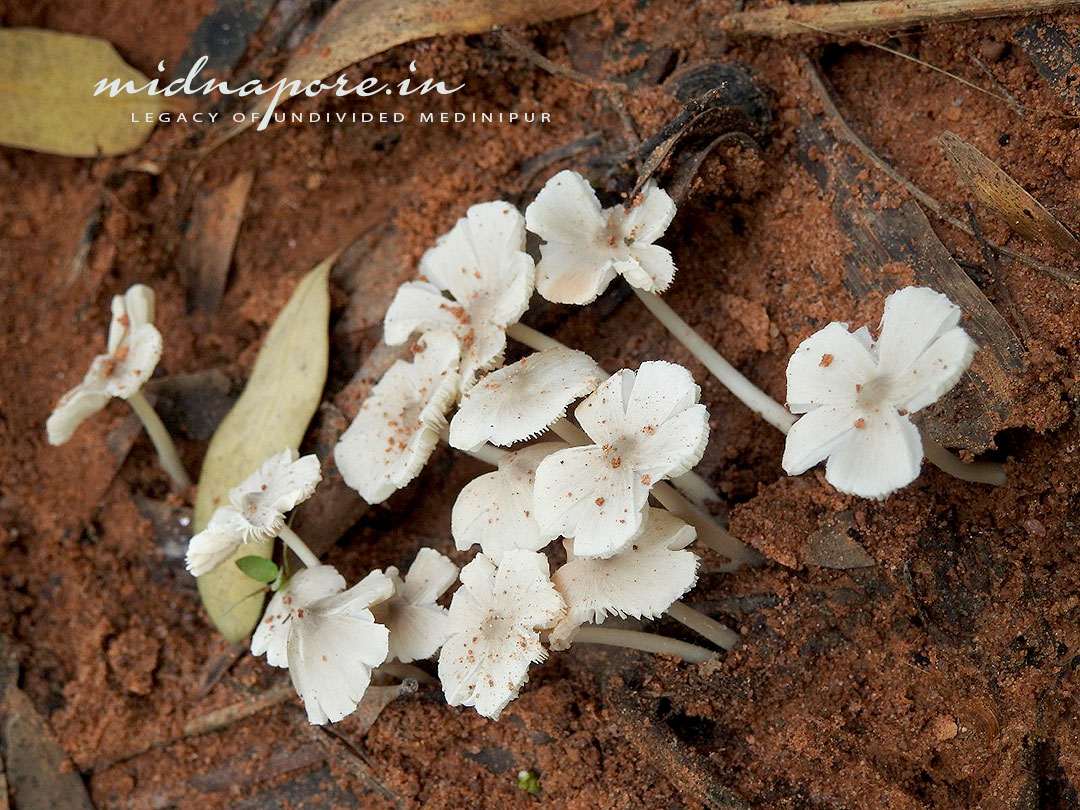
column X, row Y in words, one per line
column 529, row 782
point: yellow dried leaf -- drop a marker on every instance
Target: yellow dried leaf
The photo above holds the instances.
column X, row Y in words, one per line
column 1006, row 198
column 273, row 413
column 47, row 100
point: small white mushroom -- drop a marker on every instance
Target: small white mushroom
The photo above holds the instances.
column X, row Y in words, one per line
column 642, row 581
column 398, row 426
column 495, row 618
column 496, row 510
column 132, row 353
column 327, row 637
column 418, row 624
column 586, row 246
column 482, row 264
column 256, row 509
column 522, row 400
column 645, row 427
column 857, row 394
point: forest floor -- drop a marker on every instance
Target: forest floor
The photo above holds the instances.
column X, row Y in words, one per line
column 943, row 674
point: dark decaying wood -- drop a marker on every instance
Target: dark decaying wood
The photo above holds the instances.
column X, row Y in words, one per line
column 882, row 234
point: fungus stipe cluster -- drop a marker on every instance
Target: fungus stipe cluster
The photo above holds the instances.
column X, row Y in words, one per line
column 595, row 480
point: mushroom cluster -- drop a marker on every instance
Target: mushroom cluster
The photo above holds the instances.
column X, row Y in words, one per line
column 596, row 480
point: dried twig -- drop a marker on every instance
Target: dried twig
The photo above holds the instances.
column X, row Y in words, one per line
column 846, row 133
column 841, row 18
column 614, row 92
column 527, row 52
column 990, row 255
column 351, row 757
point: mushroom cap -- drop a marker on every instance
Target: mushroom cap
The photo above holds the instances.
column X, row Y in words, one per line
column 398, row 426
column 482, row 264
column 495, row 618
column 646, row 426
column 856, row 394
column 642, row 580
column 327, row 637
column 256, row 509
column 224, row 533
column 278, row 485
column 522, row 400
column 496, row 510
column 586, row 246
column 134, row 349
column 418, row 625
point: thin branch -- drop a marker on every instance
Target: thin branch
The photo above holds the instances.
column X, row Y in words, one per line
column 840, row 18
column 846, row 133
column 990, row 255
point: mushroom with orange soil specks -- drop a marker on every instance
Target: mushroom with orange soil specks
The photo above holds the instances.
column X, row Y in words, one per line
column 132, row 353
column 418, row 624
column 522, row 400
column 857, row 394
column 496, row 510
column 327, row 636
column 586, row 246
column 256, row 509
column 646, row 426
column 399, row 424
column 643, row 580
column 482, row 264
column 496, row 617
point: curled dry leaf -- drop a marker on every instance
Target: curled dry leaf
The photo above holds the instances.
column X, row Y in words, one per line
column 47, row 100
column 273, row 413
column 994, row 188
column 353, row 30
column 208, row 245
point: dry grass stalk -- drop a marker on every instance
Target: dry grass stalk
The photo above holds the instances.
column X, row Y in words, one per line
column 842, row 18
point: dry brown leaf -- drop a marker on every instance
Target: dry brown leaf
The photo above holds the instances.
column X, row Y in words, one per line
column 1005, row 197
column 208, row 246
column 354, row 30
column 38, row 770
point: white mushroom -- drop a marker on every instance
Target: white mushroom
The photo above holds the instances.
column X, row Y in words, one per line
column 418, row 624
column 645, row 427
column 586, row 246
column 522, row 400
column 256, row 509
column 327, row 637
column 642, row 581
column 483, row 266
column 132, row 353
column 496, row 510
column 399, row 424
column 495, row 618
column 857, row 394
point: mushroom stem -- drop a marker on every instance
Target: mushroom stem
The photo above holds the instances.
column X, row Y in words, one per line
column 745, row 391
column 709, row 532
column 163, row 443
column 719, row 634
column 487, row 453
column 646, row 642
column 979, row 472
column 298, row 547
column 396, row 669
column 532, row 338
